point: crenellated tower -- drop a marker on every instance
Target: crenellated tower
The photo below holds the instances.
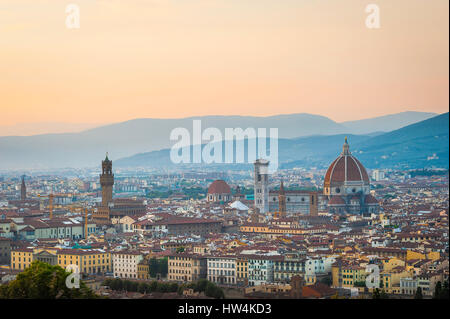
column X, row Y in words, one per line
column 107, row 181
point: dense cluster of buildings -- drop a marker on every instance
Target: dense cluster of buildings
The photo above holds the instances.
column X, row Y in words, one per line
column 262, row 235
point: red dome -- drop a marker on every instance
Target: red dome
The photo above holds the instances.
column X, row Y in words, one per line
column 369, row 199
column 345, row 168
column 219, row 187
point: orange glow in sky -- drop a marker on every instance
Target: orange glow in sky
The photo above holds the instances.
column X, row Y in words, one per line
column 166, row 59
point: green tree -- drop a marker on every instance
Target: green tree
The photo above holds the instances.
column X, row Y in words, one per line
column 213, row 291
column 326, row 281
column 43, row 281
column 376, row 294
column 418, row 294
column 437, row 290
column 143, row 288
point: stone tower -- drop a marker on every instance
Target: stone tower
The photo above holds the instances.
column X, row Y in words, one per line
column 23, row 189
column 107, row 181
column 282, row 201
column 262, row 185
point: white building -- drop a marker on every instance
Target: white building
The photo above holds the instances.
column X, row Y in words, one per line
column 222, row 270
column 378, row 175
column 125, row 263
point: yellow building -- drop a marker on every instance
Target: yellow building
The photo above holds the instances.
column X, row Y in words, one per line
column 143, row 270
column 88, row 260
column 432, row 255
column 21, row 258
column 348, row 275
column 242, row 271
column 390, row 280
column 186, row 267
column 390, row 263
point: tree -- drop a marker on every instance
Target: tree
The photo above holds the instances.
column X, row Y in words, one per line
column 441, row 292
column 43, row 281
column 143, row 288
column 418, row 294
column 437, row 290
column 213, row 291
column 327, row 281
column 376, row 294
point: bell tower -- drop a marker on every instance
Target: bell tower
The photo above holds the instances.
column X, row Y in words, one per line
column 23, row 190
column 261, row 185
column 282, row 201
column 107, row 181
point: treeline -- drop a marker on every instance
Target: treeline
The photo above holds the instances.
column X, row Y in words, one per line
column 203, row 286
column 43, row 281
column 158, row 266
column 207, row 287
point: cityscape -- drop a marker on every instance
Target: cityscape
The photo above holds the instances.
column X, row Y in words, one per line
column 224, row 157
column 298, row 233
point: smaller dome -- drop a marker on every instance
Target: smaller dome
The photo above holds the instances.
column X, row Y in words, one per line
column 369, row 199
column 219, row 187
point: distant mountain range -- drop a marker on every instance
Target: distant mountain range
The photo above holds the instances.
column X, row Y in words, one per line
column 423, row 144
column 149, row 139
column 28, row 129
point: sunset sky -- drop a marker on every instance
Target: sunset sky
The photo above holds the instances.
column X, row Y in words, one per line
column 179, row 58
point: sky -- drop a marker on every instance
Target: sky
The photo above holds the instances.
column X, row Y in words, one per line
column 181, row 58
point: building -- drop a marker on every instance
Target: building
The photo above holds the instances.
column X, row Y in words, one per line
column 242, row 271
column 89, row 261
column 21, row 258
column 125, row 264
column 219, row 191
column 114, row 208
column 107, row 181
column 5, row 251
column 261, row 185
column 101, row 213
column 378, row 175
column 260, row 269
column 347, row 186
column 143, row 269
column 222, row 270
column 46, row 257
column 23, row 190
column 297, row 202
column 281, row 212
column 288, row 267
column 175, row 225
column 186, row 267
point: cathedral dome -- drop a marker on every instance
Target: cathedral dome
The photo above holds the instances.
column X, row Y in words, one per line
column 346, row 175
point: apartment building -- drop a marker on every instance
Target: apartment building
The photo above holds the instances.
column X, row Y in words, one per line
column 186, row 267
column 222, row 270
column 126, row 264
